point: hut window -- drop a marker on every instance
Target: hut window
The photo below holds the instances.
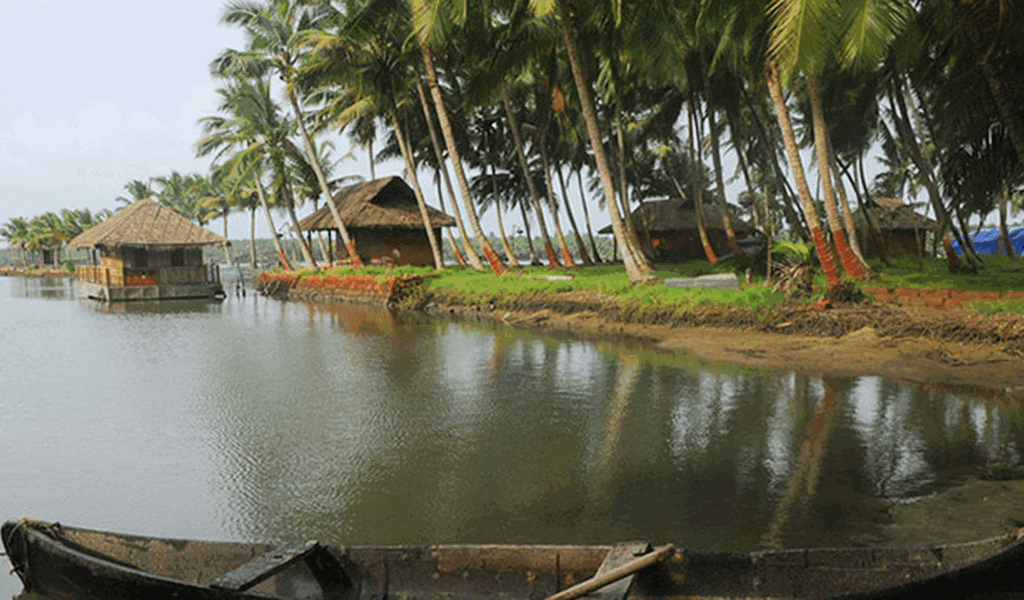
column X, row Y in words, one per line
column 178, row 257
column 140, row 258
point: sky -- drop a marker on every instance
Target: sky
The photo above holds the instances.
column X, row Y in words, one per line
column 104, row 92
column 96, row 94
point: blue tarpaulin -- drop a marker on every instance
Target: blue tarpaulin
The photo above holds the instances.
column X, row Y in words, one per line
column 986, row 241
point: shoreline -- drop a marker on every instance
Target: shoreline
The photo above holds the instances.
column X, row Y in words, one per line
column 976, row 368
column 943, row 346
column 948, row 347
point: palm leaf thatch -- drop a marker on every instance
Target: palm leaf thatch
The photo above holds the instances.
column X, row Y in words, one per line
column 145, row 223
column 892, row 214
column 664, row 216
column 387, row 203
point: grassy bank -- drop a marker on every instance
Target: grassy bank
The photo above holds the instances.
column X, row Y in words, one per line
column 609, row 282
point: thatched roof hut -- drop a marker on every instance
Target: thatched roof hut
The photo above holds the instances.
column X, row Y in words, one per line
column 147, row 252
column 383, row 218
column 892, row 213
column 672, row 227
column 660, row 216
column 902, row 229
column 145, row 224
column 379, row 204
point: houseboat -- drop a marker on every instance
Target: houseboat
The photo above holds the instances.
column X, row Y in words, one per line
column 147, row 251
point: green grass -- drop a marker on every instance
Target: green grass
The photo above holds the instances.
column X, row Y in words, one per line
column 538, row 283
column 1013, row 306
column 935, row 274
column 481, row 287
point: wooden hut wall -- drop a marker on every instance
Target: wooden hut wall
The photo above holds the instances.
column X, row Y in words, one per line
column 897, row 242
column 685, row 245
column 401, row 245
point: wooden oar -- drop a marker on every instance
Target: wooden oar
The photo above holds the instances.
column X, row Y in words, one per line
column 599, row 581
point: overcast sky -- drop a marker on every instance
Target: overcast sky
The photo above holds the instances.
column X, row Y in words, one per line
column 96, row 94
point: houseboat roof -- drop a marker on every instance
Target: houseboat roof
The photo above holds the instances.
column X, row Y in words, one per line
column 378, row 204
column 147, row 224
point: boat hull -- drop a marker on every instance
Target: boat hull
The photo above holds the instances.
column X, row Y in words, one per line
column 64, row 562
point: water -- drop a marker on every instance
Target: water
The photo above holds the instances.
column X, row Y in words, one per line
column 254, row 419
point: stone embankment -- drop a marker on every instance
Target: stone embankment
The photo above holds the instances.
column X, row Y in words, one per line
column 336, row 288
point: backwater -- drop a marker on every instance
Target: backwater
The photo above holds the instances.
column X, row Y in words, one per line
column 256, row 419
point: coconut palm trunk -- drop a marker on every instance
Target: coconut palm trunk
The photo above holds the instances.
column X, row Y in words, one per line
column 509, row 253
column 844, row 205
column 1004, row 232
column 566, row 256
column 281, row 256
column 620, row 143
column 922, row 161
column 716, row 157
column 410, row 168
column 534, row 261
column 584, row 256
column 865, row 206
column 638, row 268
column 698, row 186
column 307, row 252
column 474, row 259
column 314, row 161
column 453, row 153
column 252, row 238
column 825, row 254
column 451, row 237
column 534, row 194
column 850, row 262
column 586, row 215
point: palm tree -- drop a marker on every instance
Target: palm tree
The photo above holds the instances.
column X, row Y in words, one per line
column 421, row 18
column 373, row 77
column 137, row 190
column 474, row 259
column 638, row 268
column 810, row 36
column 251, row 139
column 182, row 193
column 274, row 33
column 17, row 233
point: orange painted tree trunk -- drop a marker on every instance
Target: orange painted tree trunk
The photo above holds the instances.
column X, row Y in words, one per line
column 822, row 245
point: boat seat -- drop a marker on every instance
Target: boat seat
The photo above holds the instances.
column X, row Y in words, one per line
column 264, row 567
column 619, row 555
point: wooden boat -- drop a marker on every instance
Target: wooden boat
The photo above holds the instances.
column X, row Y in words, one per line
column 65, row 562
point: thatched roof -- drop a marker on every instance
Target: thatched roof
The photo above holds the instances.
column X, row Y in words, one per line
column 663, row 216
column 892, row 213
column 148, row 224
column 378, row 204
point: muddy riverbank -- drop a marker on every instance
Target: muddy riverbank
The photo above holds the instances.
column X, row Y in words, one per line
column 950, row 347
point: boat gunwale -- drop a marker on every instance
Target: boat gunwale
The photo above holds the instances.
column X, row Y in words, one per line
column 1008, row 549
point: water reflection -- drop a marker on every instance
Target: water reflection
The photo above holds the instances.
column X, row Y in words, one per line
column 51, row 288
column 258, row 419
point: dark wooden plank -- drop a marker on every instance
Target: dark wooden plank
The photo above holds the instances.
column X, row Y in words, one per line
column 616, row 573
column 619, row 555
column 264, row 567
